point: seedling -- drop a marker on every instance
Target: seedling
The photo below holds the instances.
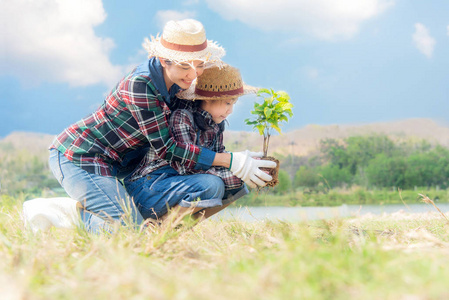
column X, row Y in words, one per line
column 270, row 114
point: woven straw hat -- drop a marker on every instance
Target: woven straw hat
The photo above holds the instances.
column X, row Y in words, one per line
column 183, row 41
column 217, row 83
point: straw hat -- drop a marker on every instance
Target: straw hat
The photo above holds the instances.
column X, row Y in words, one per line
column 183, row 41
column 217, row 83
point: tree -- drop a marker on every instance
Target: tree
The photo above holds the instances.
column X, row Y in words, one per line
column 334, row 175
column 274, row 110
column 334, row 152
column 306, row 177
column 384, row 171
column 285, row 183
column 356, row 152
column 429, row 168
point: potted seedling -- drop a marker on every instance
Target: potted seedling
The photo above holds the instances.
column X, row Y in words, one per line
column 270, row 114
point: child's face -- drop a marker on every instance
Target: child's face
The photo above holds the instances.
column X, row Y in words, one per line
column 183, row 74
column 219, row 109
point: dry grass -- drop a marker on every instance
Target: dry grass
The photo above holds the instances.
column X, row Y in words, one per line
column 427, row 200
column 396, row 256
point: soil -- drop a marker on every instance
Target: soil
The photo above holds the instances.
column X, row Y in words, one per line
column 273, row 172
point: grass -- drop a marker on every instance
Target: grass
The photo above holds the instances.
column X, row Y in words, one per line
column 399, row 256
column 338, row 196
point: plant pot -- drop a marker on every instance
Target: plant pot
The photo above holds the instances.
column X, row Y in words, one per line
column 274, row 172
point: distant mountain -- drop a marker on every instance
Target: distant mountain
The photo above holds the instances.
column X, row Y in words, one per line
column 300, row 142
column 306, row 140
column 34, row 142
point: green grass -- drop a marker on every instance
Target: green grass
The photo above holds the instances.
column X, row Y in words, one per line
column 336, row 197
column 390, row 257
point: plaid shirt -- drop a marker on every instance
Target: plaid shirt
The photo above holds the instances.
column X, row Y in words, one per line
column 183, row 129
column 133, row 115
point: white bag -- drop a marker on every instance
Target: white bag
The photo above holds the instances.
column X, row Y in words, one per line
column 43, row 213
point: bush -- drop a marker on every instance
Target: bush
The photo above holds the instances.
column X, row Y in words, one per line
column 334, row 176
column 285, row 184
column 306, row 177
column 385, row 171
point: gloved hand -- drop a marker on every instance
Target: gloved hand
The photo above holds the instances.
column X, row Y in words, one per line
column 245, row 167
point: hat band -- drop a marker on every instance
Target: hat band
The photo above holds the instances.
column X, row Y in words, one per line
column 184, row 48
column 220, row 93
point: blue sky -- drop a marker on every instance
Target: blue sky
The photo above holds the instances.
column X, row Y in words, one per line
column 342, row 62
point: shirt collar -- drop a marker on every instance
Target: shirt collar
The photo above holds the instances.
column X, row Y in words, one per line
column 157, row 77
column 207, row 117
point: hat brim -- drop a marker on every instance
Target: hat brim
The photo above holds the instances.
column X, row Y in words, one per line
column 190, row 94
column 212, row 53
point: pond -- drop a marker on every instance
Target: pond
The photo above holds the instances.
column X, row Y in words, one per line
column 292, row 214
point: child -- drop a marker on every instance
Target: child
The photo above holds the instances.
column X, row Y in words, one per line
column 214, row 96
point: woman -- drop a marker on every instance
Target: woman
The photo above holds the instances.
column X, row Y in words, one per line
column 91, row 156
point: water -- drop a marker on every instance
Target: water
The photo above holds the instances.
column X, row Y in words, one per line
column 293, row 214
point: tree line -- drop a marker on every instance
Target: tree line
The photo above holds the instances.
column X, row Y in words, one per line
column 374, row 161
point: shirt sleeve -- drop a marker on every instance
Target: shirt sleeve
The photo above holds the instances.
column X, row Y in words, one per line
column 145, row 105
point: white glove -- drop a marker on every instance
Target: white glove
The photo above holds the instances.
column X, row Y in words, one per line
column 245, row 167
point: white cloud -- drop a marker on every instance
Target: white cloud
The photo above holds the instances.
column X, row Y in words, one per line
column 163, row 16
column 322, row 19
column 423, row 41
column 54, row 40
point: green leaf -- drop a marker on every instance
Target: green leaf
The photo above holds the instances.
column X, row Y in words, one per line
column 262, row 91
column 286, row 105
column 282, row 118
column 278, row 129
column 261, row 108
column 273, row 120
column 283, row 96
column 278, row 108
column 268, row 111
column 260, row 128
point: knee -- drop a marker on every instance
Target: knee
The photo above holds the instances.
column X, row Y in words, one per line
column 215, row 187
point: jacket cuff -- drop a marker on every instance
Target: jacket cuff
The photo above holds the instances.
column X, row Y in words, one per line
column 205, row 159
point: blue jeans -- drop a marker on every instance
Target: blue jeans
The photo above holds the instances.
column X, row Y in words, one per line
column 104, row 198
column 165, row 188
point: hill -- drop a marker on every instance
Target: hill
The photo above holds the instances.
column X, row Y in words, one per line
column 306, row 140
column 33, row 142
column 300, row 142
